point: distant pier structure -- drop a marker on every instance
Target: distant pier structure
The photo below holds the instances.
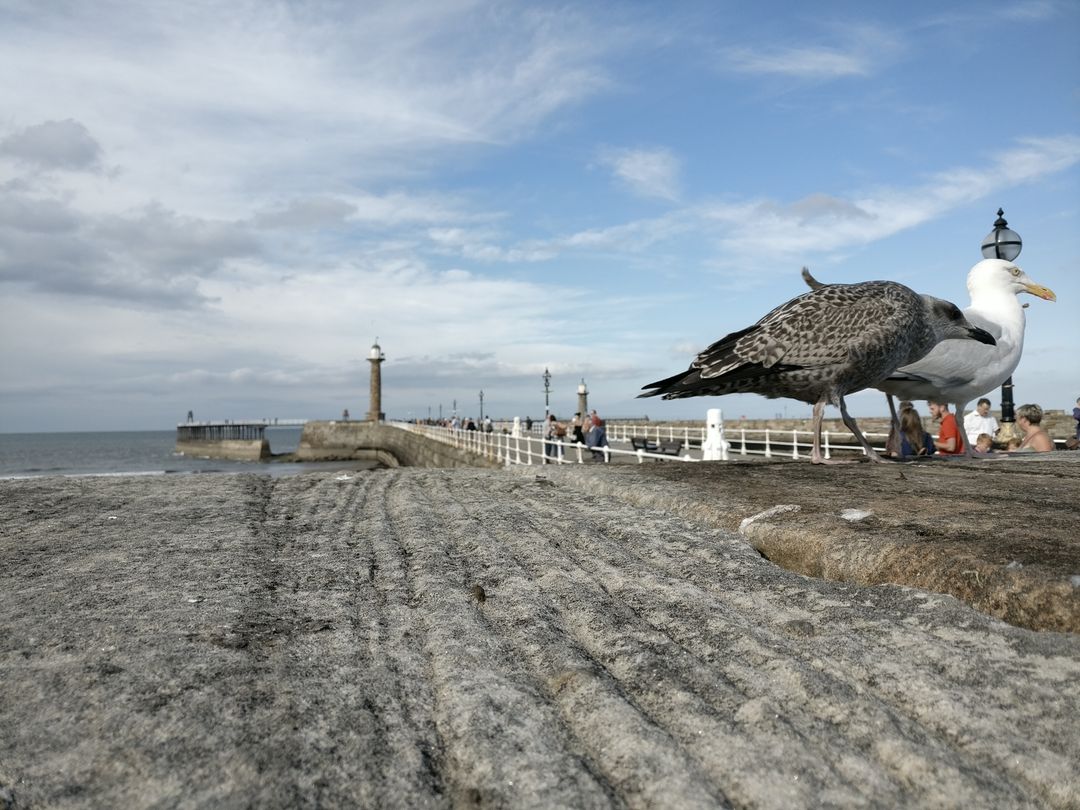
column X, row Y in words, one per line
column 243, row 440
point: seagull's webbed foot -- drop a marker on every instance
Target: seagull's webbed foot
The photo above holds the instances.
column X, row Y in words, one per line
column 833, row 461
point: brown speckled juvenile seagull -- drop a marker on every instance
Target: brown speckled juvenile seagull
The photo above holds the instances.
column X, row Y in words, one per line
column 824, row 344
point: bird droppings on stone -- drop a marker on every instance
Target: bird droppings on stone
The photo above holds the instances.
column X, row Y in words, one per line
column 780, row 509
column 855, row 515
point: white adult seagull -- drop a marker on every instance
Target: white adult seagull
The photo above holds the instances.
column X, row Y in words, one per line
column 958, row 371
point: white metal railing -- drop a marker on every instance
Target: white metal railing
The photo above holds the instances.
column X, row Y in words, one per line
column 767, row 442
column 531, row 448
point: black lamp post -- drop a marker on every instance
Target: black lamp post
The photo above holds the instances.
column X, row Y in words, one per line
column 481, row 404
column 547, row 394
column 1003, row 243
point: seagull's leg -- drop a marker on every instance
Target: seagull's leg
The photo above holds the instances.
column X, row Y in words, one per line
column 892, row 445
column 815, row 455
column 969, row 452
column 871, row 453
column 819, row 413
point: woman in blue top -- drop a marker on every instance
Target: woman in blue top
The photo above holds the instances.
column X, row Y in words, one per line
column 914, row 440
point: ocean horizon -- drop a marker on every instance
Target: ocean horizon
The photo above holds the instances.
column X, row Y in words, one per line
column 139, row 452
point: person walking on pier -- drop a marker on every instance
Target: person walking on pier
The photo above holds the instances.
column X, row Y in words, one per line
column 575, row 426
column 554, row 433
column 596, row 437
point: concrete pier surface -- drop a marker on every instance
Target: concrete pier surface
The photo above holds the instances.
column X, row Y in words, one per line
column 590, row 636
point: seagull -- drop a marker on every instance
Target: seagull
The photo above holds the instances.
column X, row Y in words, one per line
column 959, row 371
column 822, row 345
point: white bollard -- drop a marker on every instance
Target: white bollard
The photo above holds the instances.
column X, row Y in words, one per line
column 714, row 448
column 516, row 430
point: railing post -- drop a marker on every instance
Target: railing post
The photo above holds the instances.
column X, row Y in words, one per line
column 768, row 448
column 714, row 448
column 743, row 432
column 794, row 444
column 827, row 453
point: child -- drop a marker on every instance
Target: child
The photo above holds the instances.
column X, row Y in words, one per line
column 984, row 444
column 1014, row 444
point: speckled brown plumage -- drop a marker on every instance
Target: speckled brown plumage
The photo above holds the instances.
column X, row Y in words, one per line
column 816, row 348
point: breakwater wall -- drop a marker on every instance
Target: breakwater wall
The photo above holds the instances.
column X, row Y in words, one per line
column 240, row 441
column 376, row 441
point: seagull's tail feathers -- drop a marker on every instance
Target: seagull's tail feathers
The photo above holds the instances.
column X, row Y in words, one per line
column 692, row 383
column 719, row 369
column 811, row 282
column 668, row 387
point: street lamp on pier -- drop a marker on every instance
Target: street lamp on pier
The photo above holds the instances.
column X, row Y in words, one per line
column 481, row 404
column 1003, row 243
column 547, row 394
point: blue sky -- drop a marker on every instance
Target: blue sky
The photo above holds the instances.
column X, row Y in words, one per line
column 219, row 206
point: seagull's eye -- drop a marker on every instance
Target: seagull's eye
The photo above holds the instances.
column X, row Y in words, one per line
column 1015, row 271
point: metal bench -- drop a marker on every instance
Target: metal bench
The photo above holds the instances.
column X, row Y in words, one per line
column 663, row 448
column 643, row 444
column 670, row 448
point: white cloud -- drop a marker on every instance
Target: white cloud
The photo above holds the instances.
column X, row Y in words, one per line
column 53, row 145
column 825, row 223
column 812, row 63
column 208, row 107
column 861, row 50
column 647, row 172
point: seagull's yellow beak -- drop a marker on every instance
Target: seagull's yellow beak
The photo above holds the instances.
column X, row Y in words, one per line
column 1039, row 290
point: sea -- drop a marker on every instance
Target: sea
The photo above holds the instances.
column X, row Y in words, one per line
column 144, row 452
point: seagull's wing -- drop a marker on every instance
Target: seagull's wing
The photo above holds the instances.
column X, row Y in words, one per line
column 836, row 328
column 832, row 324
column 955, row 363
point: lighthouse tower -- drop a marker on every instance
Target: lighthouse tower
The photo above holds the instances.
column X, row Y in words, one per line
column 376, row 358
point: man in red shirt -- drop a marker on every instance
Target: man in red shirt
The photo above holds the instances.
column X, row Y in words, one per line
column 950, row 441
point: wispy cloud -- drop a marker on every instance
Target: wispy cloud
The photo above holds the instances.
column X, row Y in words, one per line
column 824, row 223
column 647, row 172
column 859, row 51
column 812, row 63
column 265, row 98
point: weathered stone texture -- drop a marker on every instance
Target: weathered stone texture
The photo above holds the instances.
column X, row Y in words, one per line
column 318, row 640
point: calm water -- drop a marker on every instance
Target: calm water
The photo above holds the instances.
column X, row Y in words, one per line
column 137, row 453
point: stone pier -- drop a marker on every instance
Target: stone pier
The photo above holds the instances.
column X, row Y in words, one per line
column 239, row 441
